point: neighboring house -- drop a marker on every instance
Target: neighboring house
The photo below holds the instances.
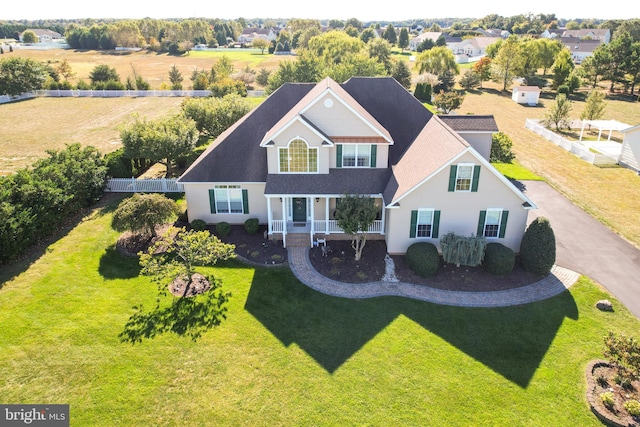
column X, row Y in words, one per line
column 580, row 49
column 249, row 34
column 526, row 94
column 44, row 36
column 602, row 35
column 473, row 48
column 630, row 154
column 493, row 32
column 290, row 161
column 477, row 130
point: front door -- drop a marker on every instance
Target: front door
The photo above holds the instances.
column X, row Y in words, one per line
column 299, row 209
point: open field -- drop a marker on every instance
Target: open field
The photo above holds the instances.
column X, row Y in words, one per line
column 153, row 67
column 609, row 194
column 287, row 355
column 31, row 127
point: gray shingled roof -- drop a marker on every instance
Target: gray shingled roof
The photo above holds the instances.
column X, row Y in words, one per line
column 470, row 123
column 337, row 181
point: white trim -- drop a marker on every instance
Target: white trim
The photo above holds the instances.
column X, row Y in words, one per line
column 430, row 210
column 284, row 127
column 368, row 166
column 296, row 138
column 465, row 165
column 484, row 226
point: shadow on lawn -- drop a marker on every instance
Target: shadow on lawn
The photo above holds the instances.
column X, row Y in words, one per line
column 511, row 341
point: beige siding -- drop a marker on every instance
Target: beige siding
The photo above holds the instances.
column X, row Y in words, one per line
column 337, row 120
column 198, row 207
column 460, row 211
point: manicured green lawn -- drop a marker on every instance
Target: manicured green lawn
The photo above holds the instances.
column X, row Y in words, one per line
column 287, row 355
column 516, row 171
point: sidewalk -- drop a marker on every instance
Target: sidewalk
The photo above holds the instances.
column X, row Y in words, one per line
column 555, row 283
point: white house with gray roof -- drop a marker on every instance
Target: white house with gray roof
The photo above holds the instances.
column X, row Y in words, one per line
column 290, row 161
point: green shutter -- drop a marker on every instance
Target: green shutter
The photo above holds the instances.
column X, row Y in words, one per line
column 212, row 201
column 414, row 222
column 503, row 223
column 483, row 217
column 339, row 156
column 245, row 201
column 476, row 177
column 435, row 227
column 452, row 177
column 374, row 152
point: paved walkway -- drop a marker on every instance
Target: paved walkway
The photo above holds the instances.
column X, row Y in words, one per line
column 558, row 281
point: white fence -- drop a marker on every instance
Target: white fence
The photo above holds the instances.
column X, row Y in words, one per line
column 115, row 94
column 579, row 149
column 133, row 185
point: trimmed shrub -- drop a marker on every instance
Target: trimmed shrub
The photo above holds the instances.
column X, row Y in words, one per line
column 498, row 259
column 198, row 225
column 251, row 225
column 538, row 247
column 423, row 258
column 223, row 229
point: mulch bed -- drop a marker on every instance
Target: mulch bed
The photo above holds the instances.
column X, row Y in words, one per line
column 601, row 378
column 341, row 265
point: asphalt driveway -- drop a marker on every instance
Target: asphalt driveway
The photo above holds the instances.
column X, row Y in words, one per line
column 588, row 247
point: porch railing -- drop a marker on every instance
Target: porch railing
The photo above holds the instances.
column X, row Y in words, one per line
column 277, row 225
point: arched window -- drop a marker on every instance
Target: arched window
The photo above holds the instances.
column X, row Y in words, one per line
column 298, row 157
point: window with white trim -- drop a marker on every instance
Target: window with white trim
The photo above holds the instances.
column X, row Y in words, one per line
column 464, row 177
column 298, row 157
column 356, row 155
column 228, row 199
column 424, row 223
column 492, row 222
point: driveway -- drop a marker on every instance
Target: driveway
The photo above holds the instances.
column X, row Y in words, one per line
column 587, row 246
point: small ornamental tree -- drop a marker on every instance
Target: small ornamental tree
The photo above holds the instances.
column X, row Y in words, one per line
column 538, row 247
column 594, row 106
column 141, row 213
column 448, row 101
column 354, row 215
column 559, row 114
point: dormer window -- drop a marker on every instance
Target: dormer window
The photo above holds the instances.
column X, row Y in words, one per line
column 298, row 157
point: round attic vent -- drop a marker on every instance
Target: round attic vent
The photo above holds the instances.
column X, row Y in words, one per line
column 328, row 103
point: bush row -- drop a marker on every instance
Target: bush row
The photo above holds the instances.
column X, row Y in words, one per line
column 36, row 201
column 537, row 253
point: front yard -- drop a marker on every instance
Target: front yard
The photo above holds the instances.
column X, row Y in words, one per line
column 287, row 355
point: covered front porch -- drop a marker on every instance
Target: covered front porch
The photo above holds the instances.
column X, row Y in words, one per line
column 311, row 215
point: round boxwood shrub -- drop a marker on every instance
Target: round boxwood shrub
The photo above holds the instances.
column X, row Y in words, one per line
column 198, row 225
column 251, row 225
column 498, row 259
column 223, row 229
column 538, row 247
column 423, row 258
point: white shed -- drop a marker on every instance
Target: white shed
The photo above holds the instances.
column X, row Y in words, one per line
column 630, row 154
column 526, row 95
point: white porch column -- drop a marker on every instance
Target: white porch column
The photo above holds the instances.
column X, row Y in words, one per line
column 326, row 215
column 383, row 217
column 269, row 216
column 284, row 222
column 312, row 204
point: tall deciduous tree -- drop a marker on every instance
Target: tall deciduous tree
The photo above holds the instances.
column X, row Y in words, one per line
column 594, row 106
column 506, row 62
column 483, row 68
column 213, row 116
column 163, row 140
column 403, row 40
column 562, row 68
column 438, row 61
column 354, row 215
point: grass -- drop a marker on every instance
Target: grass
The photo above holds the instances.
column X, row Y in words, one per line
column 30, row 128
column 287, row 355
column 609, row 194
column 516, row 171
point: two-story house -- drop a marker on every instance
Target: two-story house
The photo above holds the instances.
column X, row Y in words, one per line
column 290, row 160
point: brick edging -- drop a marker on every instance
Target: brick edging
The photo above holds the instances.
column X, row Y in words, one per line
column 595, row 403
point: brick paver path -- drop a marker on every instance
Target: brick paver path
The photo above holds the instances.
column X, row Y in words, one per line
column 555, row 283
